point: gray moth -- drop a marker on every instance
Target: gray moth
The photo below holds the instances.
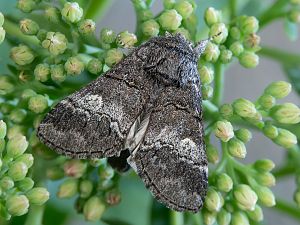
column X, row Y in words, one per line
column 146, row 113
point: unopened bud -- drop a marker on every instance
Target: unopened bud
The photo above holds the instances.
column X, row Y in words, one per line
column 26, row 184
column 237, row 48
column 223, row 217
column 29, row 27
column 72, row 12
column 239, row 218
column 264, row 165
column 87, row 27
column 285, row 138
column 26, row 5
column 209, row 218
column 93, row 209
column 207, row 92
column 279, row 89
column 243, row 134
column 252, row 42
column 22, row 55
column 248, row 59
column 57, row 73
column 211, row 52
column 52, row 14
column 224, row 130
column 257, row 214
column 265, row 179
column 170, row 19
column 237, row 148
column 226, row 56
column 267, row 101
column 212, row 16
column 270, row 131
column 26, row 158
column 42, row 72
column 107, row 36
column 74, row 66
column 246, row 198
column 56, row 43
column 244, row 108
column 17, row 205
column 212, row 154
column 38, row 103
column 294, row 15
column 249, row 25
column 218, row 32
column 75, row 168
column 54, row 173
column 38, row 196
column 113, row 56
column 287, row 113
column 17, row 115
column 226, row 111
column 184, row 8
column 94, row 66
column 224, row 182
column 6, row 183
column 212, row 200
column 68, row 188
column 16, row 146
column 206, row 74
column 85, row 188
column 265, row 196
column 150, row 28
column 2, row 34
column 235, row 33
column 113, row 197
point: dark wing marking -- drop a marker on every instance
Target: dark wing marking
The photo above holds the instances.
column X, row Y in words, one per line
column 94, row 121
column 172, row 160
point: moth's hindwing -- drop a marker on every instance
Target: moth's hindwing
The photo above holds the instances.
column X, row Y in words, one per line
column 94, row 121
column 172, row 160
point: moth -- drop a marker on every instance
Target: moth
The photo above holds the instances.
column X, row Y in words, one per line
column 146, row 113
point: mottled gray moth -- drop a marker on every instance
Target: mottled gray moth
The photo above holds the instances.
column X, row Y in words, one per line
column 144, row 112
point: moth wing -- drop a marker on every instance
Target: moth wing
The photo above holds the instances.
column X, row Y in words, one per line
column 172, row 160
column 93, row 122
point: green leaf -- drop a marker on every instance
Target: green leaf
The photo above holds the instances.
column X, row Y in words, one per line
column 291, row 30
column 293, row 74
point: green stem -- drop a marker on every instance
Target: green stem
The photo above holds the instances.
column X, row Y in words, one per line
column 139, row 7
column 284, row 171
column 96, row 8
column 279, row 55
column 287, row 208
column 233, row 8
column 218, row 84
column 35, row 215
column 176, row 218
column 211, row 110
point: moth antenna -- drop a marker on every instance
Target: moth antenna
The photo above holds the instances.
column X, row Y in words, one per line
column 201, row 45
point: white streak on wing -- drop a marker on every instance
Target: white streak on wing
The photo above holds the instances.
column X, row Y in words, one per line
column 92, row 102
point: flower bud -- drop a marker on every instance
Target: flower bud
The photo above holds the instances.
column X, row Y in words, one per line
column 3, row 129
column 17, row 171
column 15, row 131
column 104, row 185
column 1, row 19
column 184, row 8
column 209, row 218
column 42, row 72
column 29, row 27
column 93, row 209
column 26, row 6
column 146, row 14
column 218, row 32
column 150, row 28
column 212, row 16
column 207, row 92
column 74, row 66
column 106, row 173
column 183, row 32
column 297, row 197
column 56, row 43
column 113, row 56
column 57, row 73
column 237, row 48
column 52, row 14
column 26, row 158
column 212, row 154
column 6, row 183
column 107, row 36
column 223, row 217
column 87, row 27
column 38, row 196
column 17, row 205
column 206, row 74
column 224, row 130
column 257, row 214
column 126, row 39
column 278, row 89
column 265, row 196
column 249, row 25
column 235, row 33
column 75, row 168
column 2, row 34
column 248, row 59
column 246, row 198
column 113, row 197
column 266, row 101
column 41, row 35
column 211, row 52
column 294, row 15
column 287, row 113
column 169, row 4
column 54, row 173
column 26, row 184
column 224, row 182
column 22, row 55
column 239, row 218
column 225, row 56
column 285, row 138
column 16, row 146
column 237, row 148
column 170, row 19
column 270, row 131
column 212, row 201
column 72, row 12
column 252, row 41
column 226, row 111
column 264, row 165
column 68, row 188
column 38, row 103
column 265, row 179
column 244, row 108
column 94, row 66
column 85, row 188
column 243, row 134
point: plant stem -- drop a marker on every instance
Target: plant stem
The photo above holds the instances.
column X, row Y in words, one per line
column 284, row 171
column 219, row 84
column 139, row 7
column 176, row 218
column 211, row 110
column 287, row 208
column 35, row 215
column 233, row 8
column 96, row 8
column 280, row 55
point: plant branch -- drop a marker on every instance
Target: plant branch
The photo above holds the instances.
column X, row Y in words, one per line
column 233, row 8
column 281, row 56
column 176, row 218
column 287, row 208
column 35, row 215
column 218, row 84
column 96, row 8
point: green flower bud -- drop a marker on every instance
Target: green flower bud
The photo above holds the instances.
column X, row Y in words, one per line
column 126, row 39
column 297, row 197
column 54, row 173
column 113, row 56
column 265, row 179
column 107, row 36
column 106, row 173
column 57, row 73
column 237, row 48
column 239, row 218
column 249, row 25
column 52, row 14
column 212, row 16
column 1, row 19
column 209, row 218
column 265, row 196
column 212, row 154
column 150, row 28
column 68, row 188
column 72, row 12
column 17, row 205
column 146, row 14
column 169, row 4
column 212, row 201
column 287, row 113
column 74, row 66
column 248, row 59
column 207, row 92
column 226, row 111
column 245, row 197
column 22, row 55
column 6, row 183
column 85, row 188
column 184, row 32
column 212, row 52
column 266, row 101
column 285, row 138
column 27, row 159
column 42, row 34
column 206, row 74
column 170, row 19
column 224, row 130
column 42, row 72
column 294, row 15
column 113, row 197
column 2, row 34
column 244, row 108
column 27, row 93
column 87, row 27
column 56, row 43
column 223, row 217
column 264, row 165
column 278, row 89
column 26, row 5
column 93, row 209
column 16, row 146
column 38, row 103
column 184, row 8
column 243, row 134
column 17, row 115
column 256, row 215
column 38, row 196
column 26, row 184
column 94, row 66
column 219, row 32
column 17, row 171
column 224, row 182
column 235, row 33
column 226, row 56
column 104, row 185
column 3, row 129
column 15, row 131
column 237, row 148
column 270, row 131
column 29, row 27
column 252, row 41
column 75, row 168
